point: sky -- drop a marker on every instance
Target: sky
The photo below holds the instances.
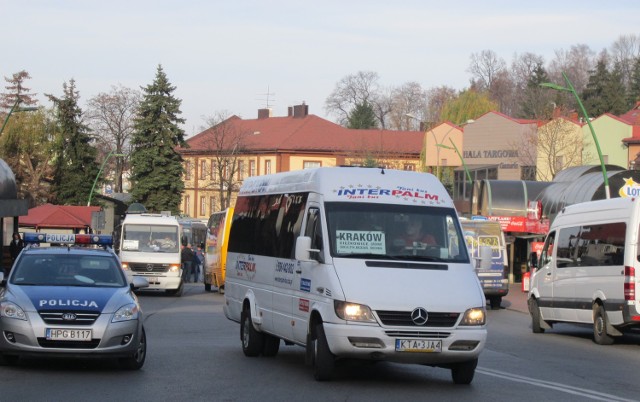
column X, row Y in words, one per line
column 226, row 56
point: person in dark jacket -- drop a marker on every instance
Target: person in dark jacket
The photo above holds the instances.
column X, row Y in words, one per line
column 16, row 246
column 186, row 257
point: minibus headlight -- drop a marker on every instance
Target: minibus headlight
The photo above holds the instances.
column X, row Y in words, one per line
column 474, row 316
column 353, row 312
column 125, row 266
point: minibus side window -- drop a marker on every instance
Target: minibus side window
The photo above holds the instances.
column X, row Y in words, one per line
column 313, row 229
column 547, row 251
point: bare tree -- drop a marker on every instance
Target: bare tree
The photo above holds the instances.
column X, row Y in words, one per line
column 485, row 67
column 624, row 52
column 576, row 63
column 225, row 144
column 352, row 90
column 111, row 118
column 436, row 99
column 411, row 99
column 523, row 68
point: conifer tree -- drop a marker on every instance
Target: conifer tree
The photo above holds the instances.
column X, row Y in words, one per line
column 633, row 95
column 156, row 167
column 615, row 92
column 362, row 117
column 75, row 166
column 593, row 96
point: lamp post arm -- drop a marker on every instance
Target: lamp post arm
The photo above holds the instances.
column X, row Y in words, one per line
column 109, row 155
column 15, row 105
column 593, row 134
column 464, row 165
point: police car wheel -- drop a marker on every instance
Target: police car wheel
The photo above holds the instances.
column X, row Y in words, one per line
column 462, row 373
column 8, row 360
column 136, row 361
column 251, row 339
column 323, row 360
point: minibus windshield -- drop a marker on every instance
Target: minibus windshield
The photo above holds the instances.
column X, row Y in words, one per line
column 383, row 231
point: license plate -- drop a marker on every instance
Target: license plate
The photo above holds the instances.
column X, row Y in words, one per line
column 418, row 345
column 61, row 334
column 151, row 279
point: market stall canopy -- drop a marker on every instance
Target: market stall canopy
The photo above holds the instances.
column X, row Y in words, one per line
column 58, row 216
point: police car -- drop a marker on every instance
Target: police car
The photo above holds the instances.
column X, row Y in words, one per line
column 70, row 301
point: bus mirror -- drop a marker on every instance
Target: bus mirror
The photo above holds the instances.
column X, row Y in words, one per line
column 533, row 261
column 303, row 248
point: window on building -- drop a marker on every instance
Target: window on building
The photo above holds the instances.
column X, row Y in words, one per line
column 203, row 170
column 528, row 173
column 203, row 206
column 213, row 170
column 410, row 167
column 240, row 170
column 212, row 204
column 311, row 164
column 187, row 170
column 267, row 167
column 252, row 168
column 187, row 204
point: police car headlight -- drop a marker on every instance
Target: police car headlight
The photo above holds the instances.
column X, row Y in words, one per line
column 353, row 312
column 474, row 316
column 126, row 313
column 12, row 310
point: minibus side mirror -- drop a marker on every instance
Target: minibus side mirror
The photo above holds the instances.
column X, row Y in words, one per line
column 303, row 249
column 533, row 261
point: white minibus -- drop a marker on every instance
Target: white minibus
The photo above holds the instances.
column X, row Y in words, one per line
column 586, row 271
column 330, row 259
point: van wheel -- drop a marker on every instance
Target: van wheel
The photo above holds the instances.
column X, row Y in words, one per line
column 323, row 360
column 176, row 292
column 495, row 302
column 462, row 373
column 600, row 335
column 535, row 316
column 270, row 346
column 251, row 339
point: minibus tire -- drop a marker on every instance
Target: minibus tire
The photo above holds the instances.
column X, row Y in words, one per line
column 270, row 346
column 251, row 339
column 462, row 373
column 600, row 335
column 495, row 302
column 535, row 316
column 323, row 360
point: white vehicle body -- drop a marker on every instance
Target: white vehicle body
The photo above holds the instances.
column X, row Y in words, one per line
column 144, row 252
column 586, row 271
column 322, row 269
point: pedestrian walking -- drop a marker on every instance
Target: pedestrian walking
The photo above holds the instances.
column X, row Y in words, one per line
column 199, row 261
column 15, row 247
column 186, row 256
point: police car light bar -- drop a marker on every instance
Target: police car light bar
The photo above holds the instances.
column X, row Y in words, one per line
column 101, row 240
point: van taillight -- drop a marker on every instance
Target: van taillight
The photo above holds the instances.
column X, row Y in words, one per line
column 629, row 283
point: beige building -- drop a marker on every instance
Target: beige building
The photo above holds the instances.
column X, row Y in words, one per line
column 219, row 158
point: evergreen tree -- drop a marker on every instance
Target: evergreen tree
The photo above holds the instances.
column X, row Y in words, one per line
column 593, row 96
column 156, row 167
column 75, row 166
column 536, row 101
column 362, row 117
column 615, row 92
column 633, row 95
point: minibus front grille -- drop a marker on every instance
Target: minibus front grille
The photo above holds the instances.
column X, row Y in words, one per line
column 418, row 334
column 403, row 319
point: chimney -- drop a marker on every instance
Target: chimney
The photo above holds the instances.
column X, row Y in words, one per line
column 290, row 111
column 299, row 110
column 264, row 113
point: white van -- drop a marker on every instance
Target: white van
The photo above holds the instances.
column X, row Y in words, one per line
column 319, row 258
column 586, row 271
column 149, row 247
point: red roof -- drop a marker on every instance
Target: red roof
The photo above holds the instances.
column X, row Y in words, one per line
column 632, row 116
column 308, row 133
column 58, row 216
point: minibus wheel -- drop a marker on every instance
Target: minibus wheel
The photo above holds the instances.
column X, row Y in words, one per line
column 323, row 360
column 251, row 339
column 535, row 316
column 270, row 346
column 462, row 373
column 600, row 335
column 495, row 302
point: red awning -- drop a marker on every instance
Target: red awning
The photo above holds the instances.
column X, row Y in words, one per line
column 58, row 216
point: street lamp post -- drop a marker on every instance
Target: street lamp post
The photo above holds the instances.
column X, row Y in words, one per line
column 464, row 165
column 109, row 155
column 569, row 88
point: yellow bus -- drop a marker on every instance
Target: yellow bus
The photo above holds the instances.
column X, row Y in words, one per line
column 215, row 259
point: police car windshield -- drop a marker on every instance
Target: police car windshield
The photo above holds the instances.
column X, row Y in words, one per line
column 404, row 232
column 67, row 270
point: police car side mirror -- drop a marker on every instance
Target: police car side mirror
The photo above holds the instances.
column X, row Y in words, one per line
column 138, row 282
column 303, row 249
